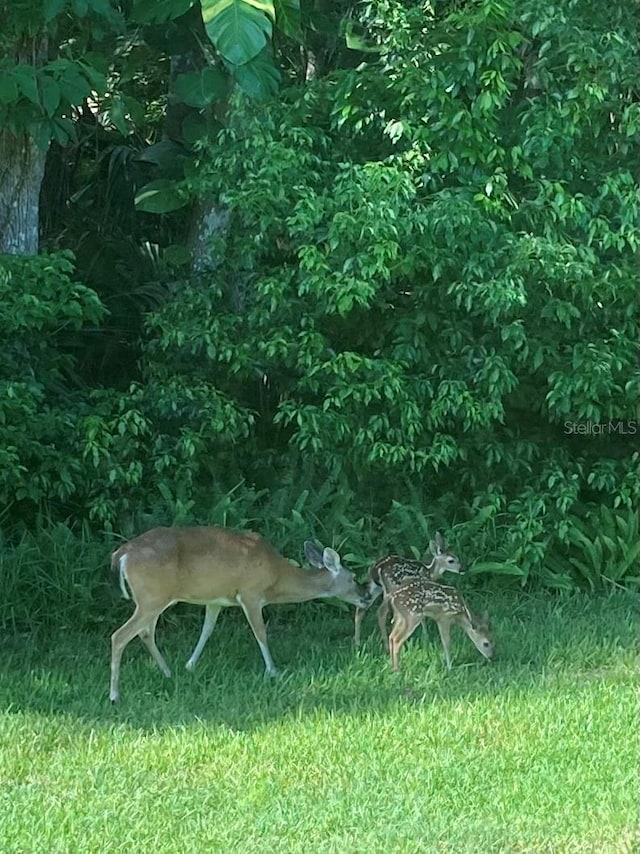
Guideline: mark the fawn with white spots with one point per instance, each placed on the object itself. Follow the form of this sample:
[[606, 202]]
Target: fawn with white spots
[[416, 600], [390, 572]]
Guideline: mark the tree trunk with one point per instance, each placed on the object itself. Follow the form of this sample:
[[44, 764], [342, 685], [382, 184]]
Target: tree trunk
[[21, 174]]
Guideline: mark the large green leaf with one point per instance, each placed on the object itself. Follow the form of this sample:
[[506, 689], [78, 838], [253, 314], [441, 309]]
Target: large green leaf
[[201, 88], [158, 11], [52, 8], [358, 41], [239, 29], [216, 6], [25, 77], [166, 155], [49, 93], [62, 129], [74, 87], [8, 88], [161, 196], [259, 78], [288, 17]]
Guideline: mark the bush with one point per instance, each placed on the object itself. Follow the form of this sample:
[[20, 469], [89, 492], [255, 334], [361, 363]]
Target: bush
[[421, 316]]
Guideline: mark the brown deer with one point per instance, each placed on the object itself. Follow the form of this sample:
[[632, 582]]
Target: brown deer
[[392, 571], [420, 598], [216, 567]]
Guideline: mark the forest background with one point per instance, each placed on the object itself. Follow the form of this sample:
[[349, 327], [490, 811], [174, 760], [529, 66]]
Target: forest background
[[356, 271]]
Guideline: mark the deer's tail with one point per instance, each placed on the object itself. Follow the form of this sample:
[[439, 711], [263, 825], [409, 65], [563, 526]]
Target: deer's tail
[[119, 569]]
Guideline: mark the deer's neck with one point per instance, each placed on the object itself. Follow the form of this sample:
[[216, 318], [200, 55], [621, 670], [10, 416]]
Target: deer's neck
[[429, 567], [298, 585]]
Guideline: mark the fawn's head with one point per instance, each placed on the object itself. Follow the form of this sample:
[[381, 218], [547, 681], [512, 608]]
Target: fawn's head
[[480, 633], [443, 560]]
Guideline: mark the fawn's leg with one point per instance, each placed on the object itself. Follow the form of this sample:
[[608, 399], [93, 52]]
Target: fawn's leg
[[444, 627], [403, 628], [360, 612], [383, 613]]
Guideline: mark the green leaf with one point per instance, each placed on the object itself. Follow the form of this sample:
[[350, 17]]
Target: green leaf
[[26, 80], [95, 69], [265, 6], [259, 78], [237, 28], [8, 89], [356, 41], [630, 559], [74, 88], [50, 94], [62, 130], [116, 111], [162, 196], [52, 8], [162, 154], [201, 88], [159, 11], [214, 7], [195, 127], [288, 18]]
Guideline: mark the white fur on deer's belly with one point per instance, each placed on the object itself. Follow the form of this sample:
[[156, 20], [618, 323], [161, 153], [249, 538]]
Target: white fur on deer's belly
[[223, 600]]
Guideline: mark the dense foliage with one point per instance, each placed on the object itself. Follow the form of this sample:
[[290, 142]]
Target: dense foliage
[[416, 308]]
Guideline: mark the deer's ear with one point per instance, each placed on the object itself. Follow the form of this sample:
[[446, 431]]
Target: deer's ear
[[314, 555], [436, 546], [440, 542], [331, 560]]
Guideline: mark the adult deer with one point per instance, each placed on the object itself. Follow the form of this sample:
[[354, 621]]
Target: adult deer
[[390, 572], [216, 567]]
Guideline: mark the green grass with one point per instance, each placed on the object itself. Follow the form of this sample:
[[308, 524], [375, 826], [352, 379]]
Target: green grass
[[536, 752]]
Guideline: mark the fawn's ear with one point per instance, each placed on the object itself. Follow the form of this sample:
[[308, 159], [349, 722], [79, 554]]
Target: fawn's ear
[[437, 546], [313, 554], [331, 561], [485, 619]]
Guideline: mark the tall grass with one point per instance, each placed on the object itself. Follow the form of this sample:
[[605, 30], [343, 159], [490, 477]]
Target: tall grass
[[58, 573], [53, 576]]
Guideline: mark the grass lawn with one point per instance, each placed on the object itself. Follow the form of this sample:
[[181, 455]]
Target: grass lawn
[[536, 752]]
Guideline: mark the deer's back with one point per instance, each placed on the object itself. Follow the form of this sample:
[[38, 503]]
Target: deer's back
[[430, 598], [392, 571], [199, 563]]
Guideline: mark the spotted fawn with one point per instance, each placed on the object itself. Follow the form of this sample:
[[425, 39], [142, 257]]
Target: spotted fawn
[[390, 572], [414, 600]]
